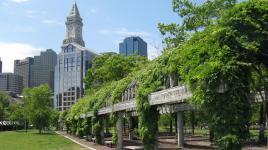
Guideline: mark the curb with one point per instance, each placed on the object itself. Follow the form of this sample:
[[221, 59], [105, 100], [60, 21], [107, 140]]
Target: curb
[[77, 142]]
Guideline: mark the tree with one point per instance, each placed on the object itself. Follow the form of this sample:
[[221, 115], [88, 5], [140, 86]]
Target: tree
[[17, 113], [4, 104], [219, 61], [195, 18], [110, 67], [218, 64], [39, 106], [55, 119]]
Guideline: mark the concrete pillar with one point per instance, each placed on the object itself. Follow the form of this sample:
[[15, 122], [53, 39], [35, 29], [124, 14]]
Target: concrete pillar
[[130, 136], [102, 131], [106, 124], [91, 127], [171, 81], [119, 127], [180, 128]]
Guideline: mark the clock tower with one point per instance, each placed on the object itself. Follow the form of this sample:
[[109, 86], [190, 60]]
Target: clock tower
[[72, 64], [74, 27]]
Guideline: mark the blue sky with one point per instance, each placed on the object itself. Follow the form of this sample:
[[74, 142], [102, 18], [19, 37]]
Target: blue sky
[[29, 26]]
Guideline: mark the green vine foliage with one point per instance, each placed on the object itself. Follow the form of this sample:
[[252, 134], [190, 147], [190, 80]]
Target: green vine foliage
[[229, 142], [102, 95], [86, 126], [73, 126], [80, 128], [150, 80], [113, 119], [97, 127], [217, 63]]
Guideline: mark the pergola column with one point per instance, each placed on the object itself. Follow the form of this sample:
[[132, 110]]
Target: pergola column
[[130, 128], [102, 131], [180, 128], [106, 124], [119, 127]]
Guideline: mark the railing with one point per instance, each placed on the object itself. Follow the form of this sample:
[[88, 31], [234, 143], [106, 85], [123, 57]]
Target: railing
[[176, 95], [169, 96]]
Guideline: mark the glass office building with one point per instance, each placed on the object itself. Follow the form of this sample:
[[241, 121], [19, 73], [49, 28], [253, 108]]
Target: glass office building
[[24, 68], [11, 83], [43, 69], [72, 64], [133, 45], [0, 65]]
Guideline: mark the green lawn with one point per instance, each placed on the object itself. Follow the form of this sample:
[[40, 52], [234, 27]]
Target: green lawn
[[33, 141]]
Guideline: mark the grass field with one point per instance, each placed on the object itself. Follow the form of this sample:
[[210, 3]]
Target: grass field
[[20, 140]]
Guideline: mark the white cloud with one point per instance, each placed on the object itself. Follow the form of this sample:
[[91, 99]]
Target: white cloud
[[20, 1], [125, 32], [53, 22], [11, 51]]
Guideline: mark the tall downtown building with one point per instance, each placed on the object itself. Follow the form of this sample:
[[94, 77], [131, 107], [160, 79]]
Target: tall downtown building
[[11, 83], [43, 69], [24, 68], [72, 64], [38, 70], [133, 45], [0, 65]]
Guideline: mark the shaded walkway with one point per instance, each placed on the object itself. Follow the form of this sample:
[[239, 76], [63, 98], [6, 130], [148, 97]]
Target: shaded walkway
[[165, 143], [84, 143]]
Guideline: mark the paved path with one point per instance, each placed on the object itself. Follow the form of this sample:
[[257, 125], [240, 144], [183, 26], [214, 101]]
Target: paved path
[[166, 143], [83, 142]]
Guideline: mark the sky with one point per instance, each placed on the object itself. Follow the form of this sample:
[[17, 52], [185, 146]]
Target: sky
[[30, 26]]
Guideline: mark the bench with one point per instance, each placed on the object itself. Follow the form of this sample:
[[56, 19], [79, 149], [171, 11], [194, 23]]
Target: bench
[[88, 138], [108, 143], [133, 147], [94, 140]]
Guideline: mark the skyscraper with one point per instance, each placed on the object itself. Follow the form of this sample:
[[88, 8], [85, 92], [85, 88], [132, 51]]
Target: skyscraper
[[38, 70], [11, 83], [72, 64], [133, 45], [0, 65], [24, 68], [43, 69]]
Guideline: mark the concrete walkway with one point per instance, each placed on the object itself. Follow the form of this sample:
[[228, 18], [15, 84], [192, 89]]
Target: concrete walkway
[[165, 143], [83, 142]]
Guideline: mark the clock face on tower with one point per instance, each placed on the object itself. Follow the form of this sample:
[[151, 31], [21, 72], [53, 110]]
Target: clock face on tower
[[79, 32], [73, 30], [70, 31]]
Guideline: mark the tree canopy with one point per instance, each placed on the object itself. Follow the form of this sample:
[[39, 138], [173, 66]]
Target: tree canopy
[[4, 104], [39, 106], [195, 17], [110, 67]]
